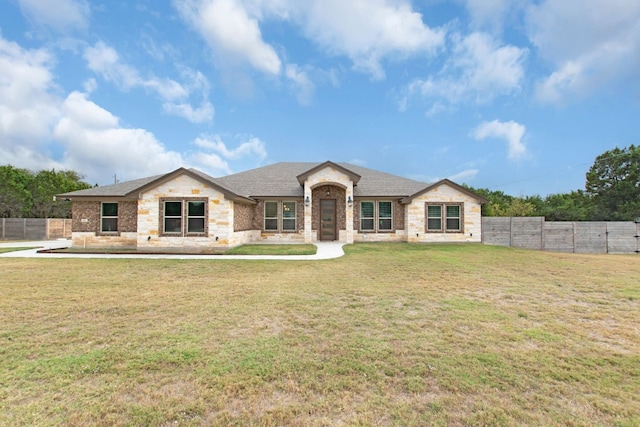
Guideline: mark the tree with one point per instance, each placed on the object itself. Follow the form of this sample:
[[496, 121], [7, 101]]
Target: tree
[[29, 195], [15, 200], [574, 206], [613, 181]]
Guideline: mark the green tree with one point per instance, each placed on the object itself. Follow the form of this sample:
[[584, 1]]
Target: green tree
[[573, 206], [45, 185], [613, 181], [31, 195], [15, 199]]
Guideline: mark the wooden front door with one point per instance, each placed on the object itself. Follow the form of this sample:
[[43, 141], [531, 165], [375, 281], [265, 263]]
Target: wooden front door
[[328, 219]]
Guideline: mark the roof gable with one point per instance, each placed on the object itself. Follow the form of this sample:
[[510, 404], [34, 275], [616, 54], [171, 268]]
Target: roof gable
[[449, 183], [132, 189], [328, 164]]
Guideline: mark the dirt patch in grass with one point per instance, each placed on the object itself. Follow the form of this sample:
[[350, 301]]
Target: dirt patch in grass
[[390, 334]]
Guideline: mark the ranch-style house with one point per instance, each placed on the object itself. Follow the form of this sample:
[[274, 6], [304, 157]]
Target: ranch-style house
[[299, 202]]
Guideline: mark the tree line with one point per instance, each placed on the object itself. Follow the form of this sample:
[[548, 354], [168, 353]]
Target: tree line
[[612, 193], [28, 194]]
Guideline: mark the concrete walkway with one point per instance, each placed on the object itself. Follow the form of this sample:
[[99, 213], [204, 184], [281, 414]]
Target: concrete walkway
[[326, 250]]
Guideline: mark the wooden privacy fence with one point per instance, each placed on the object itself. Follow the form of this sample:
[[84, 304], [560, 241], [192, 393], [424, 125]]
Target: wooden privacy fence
[[34, 228], [562, 236]]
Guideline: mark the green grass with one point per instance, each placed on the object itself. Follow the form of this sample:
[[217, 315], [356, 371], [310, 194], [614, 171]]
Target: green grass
[[5, 250], [390, 334], [273, 249]]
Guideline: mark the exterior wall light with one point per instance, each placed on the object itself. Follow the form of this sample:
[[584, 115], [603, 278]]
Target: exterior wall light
[[306, 201], [350, 201]]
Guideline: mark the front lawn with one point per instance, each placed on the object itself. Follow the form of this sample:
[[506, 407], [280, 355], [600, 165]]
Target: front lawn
[[390, 334]]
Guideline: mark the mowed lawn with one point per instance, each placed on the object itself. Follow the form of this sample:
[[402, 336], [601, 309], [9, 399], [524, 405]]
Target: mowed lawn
[[390, 334]]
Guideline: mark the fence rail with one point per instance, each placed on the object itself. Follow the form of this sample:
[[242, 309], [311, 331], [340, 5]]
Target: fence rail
[[34, 228], [562, 236]]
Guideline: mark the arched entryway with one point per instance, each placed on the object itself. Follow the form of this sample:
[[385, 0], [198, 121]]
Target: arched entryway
[[329, 211]]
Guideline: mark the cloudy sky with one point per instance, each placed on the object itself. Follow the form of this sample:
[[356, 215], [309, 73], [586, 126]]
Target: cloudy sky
[[513, 95]]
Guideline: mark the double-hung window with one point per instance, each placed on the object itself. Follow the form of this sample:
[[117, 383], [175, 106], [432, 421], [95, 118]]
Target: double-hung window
[[280, 216], [289, 216], [184, 217], [376, 216], [109, 218], [271, 216], [444, 217], [367, 216]]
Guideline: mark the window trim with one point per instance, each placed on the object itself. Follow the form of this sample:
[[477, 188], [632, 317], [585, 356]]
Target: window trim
[[376, 217], [294, 218], [279, 217], [102, 217], [443, 217], [372, 218], [265, 217], [184, 217]]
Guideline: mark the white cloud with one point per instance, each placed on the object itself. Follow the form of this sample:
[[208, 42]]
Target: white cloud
[[251, 147], [98, 146], [491, 15], [512, 132], [479, 70], [59, 15], [29, 106], [590, 46], [365, 31], [301, 83], [105, 61], [231, 32], [214, 154], [464, 175]]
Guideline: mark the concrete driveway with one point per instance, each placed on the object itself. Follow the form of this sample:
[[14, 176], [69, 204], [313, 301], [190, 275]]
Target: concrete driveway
[[326, 250]]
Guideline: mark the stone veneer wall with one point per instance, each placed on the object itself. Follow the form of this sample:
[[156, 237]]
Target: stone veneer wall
[[220, 217], [416, 216]]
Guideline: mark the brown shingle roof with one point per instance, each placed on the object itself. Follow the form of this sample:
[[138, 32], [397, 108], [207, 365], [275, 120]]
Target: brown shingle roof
[[276, 180]]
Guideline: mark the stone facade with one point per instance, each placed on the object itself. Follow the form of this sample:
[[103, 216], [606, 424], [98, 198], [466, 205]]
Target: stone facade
[[471, 213], [184, 188], [230, 220], [340, 187]]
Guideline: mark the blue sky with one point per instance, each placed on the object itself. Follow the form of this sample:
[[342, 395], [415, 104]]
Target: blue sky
[[513, 95]]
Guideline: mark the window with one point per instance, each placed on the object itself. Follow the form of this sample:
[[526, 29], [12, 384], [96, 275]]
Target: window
[[434, 218], [184, 217], [453, 217], [271, 216], [195, 217], [109, 222], [366, 216], [384, 216], [447, 215], [376, 216], [173, 217], [289, 216], [280, 216]]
